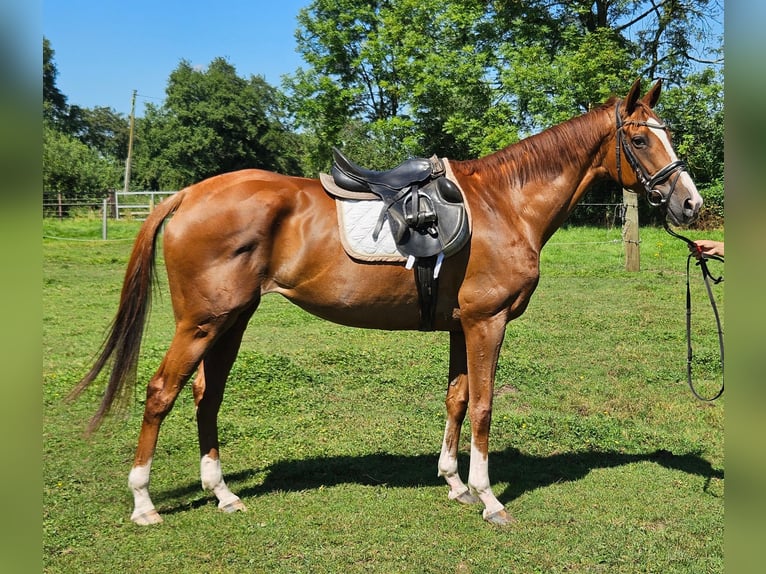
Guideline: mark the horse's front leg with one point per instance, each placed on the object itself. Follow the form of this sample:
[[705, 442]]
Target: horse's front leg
[[457, 405], [483, 341]]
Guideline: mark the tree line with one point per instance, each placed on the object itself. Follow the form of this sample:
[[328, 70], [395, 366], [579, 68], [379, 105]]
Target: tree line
[[390, 79]]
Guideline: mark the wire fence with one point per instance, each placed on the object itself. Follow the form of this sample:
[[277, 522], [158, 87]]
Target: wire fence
[[114, 204]]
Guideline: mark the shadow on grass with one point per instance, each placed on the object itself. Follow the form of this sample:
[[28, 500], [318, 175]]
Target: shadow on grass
[[522, 473]]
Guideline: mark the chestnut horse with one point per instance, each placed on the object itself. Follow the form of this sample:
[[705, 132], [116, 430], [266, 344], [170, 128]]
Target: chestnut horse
[[237, 236]]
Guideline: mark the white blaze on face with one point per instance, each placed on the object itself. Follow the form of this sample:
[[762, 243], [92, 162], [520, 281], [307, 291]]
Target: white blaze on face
[[685, 181]]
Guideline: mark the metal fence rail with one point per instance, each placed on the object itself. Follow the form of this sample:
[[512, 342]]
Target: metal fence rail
[[116, 204], [137, 210]]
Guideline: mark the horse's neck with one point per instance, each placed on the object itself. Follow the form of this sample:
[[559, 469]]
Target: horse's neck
[[541, 178]]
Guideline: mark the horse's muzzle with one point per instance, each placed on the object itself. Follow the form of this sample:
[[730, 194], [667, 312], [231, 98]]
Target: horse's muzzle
[[683, 212]]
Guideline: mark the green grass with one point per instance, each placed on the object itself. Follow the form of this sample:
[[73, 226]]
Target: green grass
[[331, 435]]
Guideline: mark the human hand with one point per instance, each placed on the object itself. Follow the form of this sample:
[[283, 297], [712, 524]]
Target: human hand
[[706, 247]]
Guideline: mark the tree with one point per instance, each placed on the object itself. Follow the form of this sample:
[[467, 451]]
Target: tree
[[211, 122], [75, 170], [81, 147], [469, 76], [695, 114], [101, 128], [561, 58], [54, 102], [395, 66]]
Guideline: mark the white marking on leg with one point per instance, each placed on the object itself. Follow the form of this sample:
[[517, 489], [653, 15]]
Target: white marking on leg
[[138, 482], [212, 479], [478, 480], [448, 467]]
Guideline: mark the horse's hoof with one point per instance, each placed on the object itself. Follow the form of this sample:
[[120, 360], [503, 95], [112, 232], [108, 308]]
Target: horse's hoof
[[147, 518], [234, 506], [499, 518], [467, 497]]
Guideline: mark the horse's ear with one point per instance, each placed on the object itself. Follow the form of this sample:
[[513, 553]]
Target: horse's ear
[[653, 95], [632, 97]]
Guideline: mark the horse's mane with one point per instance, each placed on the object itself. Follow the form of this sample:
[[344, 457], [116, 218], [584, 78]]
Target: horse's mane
[[542, 155]]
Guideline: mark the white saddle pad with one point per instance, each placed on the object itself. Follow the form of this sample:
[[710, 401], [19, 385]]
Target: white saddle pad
[[357, 220]]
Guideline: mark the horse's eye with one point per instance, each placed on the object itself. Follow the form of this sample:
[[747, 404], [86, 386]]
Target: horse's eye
[[638, 141]]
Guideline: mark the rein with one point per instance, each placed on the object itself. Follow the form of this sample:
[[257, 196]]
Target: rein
[[708, 277]]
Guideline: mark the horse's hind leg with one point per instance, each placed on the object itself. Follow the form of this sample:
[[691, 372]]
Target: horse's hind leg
[[457, 404], [191, 341], [208, 394]]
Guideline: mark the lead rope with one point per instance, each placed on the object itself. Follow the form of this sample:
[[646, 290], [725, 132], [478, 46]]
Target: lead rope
[[708, 277]]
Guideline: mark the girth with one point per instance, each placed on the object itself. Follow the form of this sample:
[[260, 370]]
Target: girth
[[425, 212]]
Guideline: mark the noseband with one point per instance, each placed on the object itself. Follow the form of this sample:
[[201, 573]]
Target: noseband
[[653, 196]]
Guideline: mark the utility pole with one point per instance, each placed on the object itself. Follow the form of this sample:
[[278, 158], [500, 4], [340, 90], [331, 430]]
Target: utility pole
[[126, 184]]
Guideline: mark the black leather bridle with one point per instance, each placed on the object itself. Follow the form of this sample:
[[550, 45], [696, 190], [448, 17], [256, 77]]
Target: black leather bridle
[[649, 181]]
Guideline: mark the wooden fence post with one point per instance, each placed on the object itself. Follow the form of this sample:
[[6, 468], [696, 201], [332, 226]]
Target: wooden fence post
[[103, 218], [630, 232]]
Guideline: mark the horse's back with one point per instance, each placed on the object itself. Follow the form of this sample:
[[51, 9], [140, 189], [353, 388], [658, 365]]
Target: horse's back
[[227, 191], [236, 203]]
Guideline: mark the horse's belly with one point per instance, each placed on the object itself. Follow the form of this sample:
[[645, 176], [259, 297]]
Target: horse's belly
[[373, 316], [367, 296]]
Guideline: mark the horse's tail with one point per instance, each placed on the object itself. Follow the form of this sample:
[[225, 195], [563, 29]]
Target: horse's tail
[[123, 342]]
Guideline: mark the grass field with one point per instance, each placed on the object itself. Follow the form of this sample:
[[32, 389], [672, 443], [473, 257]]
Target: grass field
[[331, 435]]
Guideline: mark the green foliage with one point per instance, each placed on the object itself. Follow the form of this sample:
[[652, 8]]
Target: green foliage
[[712, 212], [212, 121], [471, 77], [380, 144], [54, 102], [100, 128], [554, 81], [75, 170], [83, 149], [391, 62], [695, 113], [390, 79]]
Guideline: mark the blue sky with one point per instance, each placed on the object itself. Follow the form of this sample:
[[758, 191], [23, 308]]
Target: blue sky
[[104, 49]]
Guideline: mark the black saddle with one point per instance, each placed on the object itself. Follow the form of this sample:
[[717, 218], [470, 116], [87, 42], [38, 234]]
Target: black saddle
[[352, 177], [425, 210]]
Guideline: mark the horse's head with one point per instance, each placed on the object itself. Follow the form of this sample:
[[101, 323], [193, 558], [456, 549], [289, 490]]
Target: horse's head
[[645, 161]]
